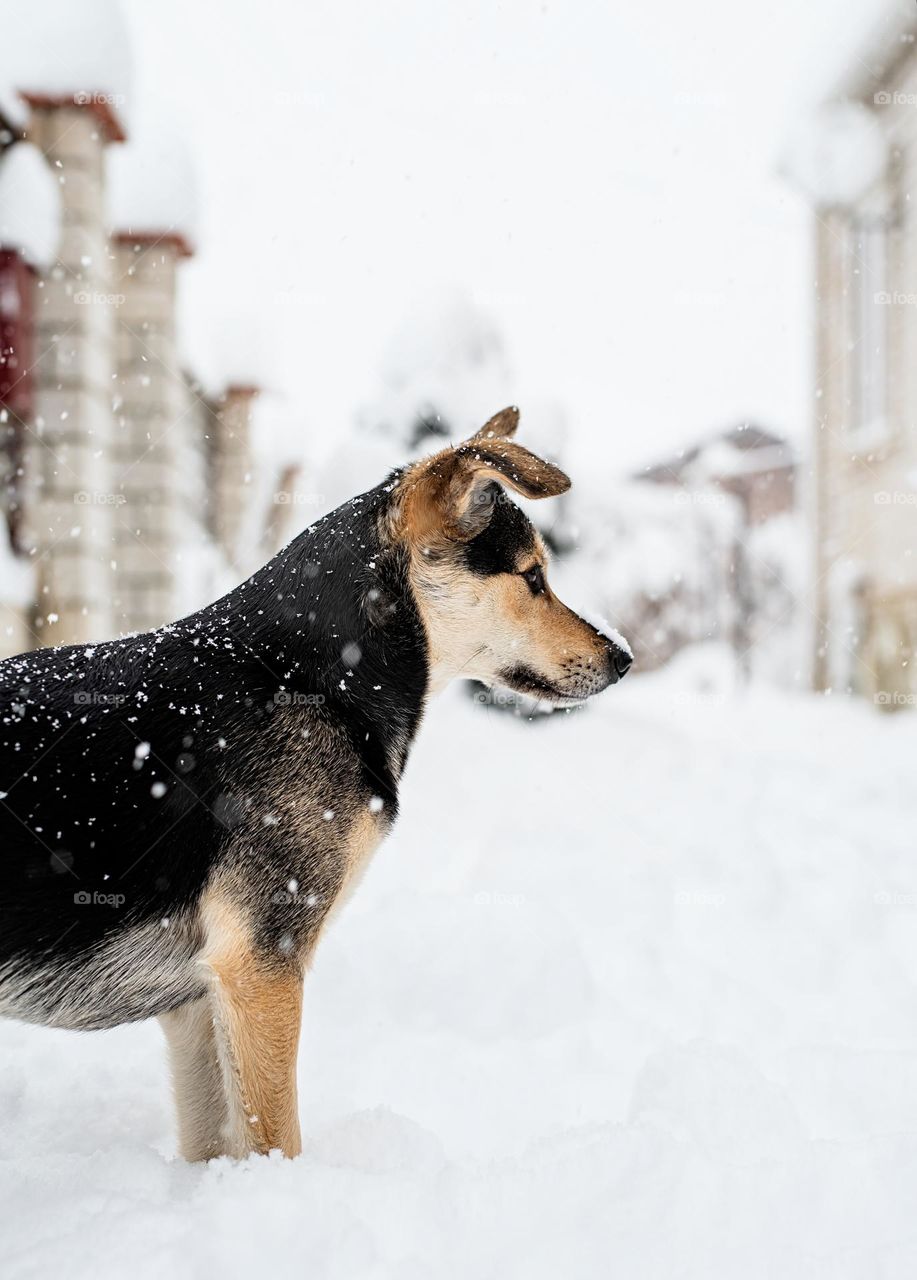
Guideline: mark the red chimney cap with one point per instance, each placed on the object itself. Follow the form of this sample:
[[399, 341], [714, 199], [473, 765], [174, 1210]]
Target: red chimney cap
[[100, 104], [149, 239]]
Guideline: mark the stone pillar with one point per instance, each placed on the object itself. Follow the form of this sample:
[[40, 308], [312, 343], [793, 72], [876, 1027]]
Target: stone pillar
[[70, 490], [282, 513], [159, 464], [231, 475]]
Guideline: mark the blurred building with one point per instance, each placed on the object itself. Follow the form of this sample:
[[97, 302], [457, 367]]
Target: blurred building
[[757, 467], [859, 169], [127, 492], [733, 528]]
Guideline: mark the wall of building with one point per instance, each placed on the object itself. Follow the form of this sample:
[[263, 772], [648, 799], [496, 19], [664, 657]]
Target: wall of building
[[866, 480]]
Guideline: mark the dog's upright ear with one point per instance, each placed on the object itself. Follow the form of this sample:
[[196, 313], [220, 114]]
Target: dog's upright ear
[[501, 426], [451, 495]]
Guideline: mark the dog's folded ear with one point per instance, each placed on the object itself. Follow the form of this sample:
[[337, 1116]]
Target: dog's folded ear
[[452, 494]]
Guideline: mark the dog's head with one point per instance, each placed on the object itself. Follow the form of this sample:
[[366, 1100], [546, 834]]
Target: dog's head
[[478, 569]]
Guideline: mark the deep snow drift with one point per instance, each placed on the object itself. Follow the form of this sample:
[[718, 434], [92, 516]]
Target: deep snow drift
[[631, 991]]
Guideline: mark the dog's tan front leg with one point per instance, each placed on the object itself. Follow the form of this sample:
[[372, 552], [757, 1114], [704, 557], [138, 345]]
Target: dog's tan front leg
[[258, 1008], [197, 1079]]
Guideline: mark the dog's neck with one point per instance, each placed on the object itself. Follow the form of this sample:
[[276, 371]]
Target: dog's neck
[[331, 622]]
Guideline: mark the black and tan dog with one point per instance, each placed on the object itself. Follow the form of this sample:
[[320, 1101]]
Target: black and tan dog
[[180, 811]]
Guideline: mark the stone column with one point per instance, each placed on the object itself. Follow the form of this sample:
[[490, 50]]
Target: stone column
[[69, 494], [159, 463], [830, 420], [231, 463]]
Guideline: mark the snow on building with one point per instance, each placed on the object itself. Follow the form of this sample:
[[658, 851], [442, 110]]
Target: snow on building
[[125, 484], [857, 164]]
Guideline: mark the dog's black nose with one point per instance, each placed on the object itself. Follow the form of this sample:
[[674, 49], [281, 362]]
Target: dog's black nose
[[622, 662]]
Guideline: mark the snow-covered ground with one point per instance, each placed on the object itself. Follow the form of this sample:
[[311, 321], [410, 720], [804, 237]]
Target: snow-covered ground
[[630, 992]]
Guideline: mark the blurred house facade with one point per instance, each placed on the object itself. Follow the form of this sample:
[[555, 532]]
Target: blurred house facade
[[732, 513], [865, 447], [757, 467], [126, 495]]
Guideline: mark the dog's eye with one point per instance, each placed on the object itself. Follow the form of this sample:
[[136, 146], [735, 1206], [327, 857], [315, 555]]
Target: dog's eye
[[535, 578]]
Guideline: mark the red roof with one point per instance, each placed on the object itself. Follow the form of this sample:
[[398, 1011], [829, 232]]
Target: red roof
[[98, 103], [147, 239]]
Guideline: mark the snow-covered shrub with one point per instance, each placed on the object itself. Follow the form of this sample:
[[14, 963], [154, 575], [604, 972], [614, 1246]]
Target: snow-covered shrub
[[444, 373]]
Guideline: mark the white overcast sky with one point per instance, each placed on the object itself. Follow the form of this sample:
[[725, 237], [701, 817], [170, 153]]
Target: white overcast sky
[[602, 177]]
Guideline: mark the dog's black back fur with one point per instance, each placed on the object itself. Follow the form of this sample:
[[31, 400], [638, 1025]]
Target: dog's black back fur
[[126, 768]]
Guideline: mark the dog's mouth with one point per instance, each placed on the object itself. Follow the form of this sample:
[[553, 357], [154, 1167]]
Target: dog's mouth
[[522, 679]]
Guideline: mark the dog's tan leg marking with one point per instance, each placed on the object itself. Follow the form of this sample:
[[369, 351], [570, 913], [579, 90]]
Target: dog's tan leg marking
[[258, 1014], [258, 1005], [197, 1079]]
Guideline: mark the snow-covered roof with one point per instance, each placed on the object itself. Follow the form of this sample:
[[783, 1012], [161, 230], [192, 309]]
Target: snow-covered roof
[[29, 205], [66, 52], [737, 450], [152, 186], [12, 107], [723, 459]]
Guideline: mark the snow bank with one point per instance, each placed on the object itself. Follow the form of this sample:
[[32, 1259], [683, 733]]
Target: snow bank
[[659, 1022], [30, 207]]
